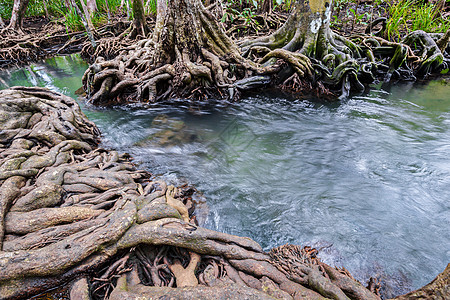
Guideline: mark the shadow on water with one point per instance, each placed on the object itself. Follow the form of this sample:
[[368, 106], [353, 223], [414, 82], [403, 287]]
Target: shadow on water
[[364, 180]]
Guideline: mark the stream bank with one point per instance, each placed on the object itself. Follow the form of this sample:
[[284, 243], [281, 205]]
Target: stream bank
[[391, 142], [73, 212]]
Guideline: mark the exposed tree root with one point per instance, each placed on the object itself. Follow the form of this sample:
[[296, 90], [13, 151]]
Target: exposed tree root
[[50, 40], [195, 58], [85, 210], [121, 37], [260, 24], [438, 289], [349, 65], [191, 52]]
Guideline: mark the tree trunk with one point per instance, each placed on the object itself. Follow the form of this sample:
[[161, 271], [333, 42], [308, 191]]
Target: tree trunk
[[307, 32], [187, 51], [18, 12], [127, 4], [307, 29], [45, 8], [87, 23], [87, 15], [139, 22], [183, 30], [266, 6], [91, 6]]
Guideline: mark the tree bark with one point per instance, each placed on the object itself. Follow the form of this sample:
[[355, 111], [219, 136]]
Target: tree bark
[[45, 8], [127, 4], [92, 6], [87, 15], [307, 32], [18, 12], [87, 23], [188, 50], [139, 21], [307, 29], [266, 6]]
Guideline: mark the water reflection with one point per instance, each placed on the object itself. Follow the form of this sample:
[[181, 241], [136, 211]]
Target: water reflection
[[60, 74], [366, 181]]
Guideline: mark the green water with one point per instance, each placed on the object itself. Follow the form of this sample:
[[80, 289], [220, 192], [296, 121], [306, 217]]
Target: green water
[[62, 74], [367, 180]]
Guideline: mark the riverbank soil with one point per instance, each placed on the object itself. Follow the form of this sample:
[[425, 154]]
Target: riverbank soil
[[73, 212]]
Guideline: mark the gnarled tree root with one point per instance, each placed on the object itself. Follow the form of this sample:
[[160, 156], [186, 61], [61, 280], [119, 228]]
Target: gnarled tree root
[[121, 231], [86, 209]]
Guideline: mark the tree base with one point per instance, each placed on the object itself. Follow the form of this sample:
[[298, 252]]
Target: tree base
[[194, 58]]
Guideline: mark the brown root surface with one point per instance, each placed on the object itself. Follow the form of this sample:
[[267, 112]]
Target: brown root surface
[[188, 55], [191, 56], [71, 211], [438, 289]]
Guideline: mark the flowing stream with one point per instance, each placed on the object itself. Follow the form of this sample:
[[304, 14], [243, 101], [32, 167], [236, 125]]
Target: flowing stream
[[366, 180]]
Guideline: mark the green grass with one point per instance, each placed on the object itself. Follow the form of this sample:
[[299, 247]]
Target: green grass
[[426, 18], [151, 8], [73, 21], [408, 15]]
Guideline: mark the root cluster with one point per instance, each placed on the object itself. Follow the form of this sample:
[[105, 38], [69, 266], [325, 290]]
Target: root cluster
[[52, 39], [188, 55], [195, 58], [71, 211]]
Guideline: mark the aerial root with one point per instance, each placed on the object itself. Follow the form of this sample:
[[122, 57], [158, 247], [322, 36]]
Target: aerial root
[[301, 63], [431, 57]]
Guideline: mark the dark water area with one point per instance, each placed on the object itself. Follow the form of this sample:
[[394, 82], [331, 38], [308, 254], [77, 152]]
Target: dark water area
[[366, 180]]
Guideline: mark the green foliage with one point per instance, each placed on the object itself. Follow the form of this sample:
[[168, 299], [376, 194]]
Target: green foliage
[[58, 9], [35, 8], [426, 18], [6, 8], [408, 15], [356, 12], [72, 20], [231, 14], [150, 7], [398, 17], [114, 6]]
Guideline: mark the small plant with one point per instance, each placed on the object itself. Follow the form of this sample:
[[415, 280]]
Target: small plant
[[359, 18], [426, 17], [150, 7], [407, 15], [73, 21]]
